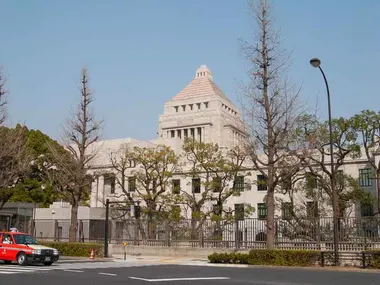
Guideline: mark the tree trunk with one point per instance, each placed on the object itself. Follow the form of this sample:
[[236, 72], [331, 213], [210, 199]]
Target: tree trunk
[[151, 225], [194, 234], [73, 223], [378, 190], [271, 229]]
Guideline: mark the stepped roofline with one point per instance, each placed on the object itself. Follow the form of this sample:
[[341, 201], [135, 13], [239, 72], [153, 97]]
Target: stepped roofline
[[202, 85]]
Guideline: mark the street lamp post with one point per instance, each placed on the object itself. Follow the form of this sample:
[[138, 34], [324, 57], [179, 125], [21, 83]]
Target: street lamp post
[[315, 62]]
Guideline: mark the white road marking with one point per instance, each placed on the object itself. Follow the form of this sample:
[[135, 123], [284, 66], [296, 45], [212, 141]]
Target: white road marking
[[75, 267], [108, 274], [179, 279]]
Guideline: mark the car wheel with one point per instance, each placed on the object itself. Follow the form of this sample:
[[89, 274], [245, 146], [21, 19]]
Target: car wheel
[[21, 259], [7, 262], [48, 263]]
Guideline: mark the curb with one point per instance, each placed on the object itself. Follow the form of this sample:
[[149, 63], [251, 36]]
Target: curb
[[337, 269]]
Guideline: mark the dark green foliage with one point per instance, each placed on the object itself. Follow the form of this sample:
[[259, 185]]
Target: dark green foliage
[[299, 258], [34, 187], [76, 248], [374, 261]]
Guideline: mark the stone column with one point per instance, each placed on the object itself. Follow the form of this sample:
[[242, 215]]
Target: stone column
[[101, 201], [94, 193]]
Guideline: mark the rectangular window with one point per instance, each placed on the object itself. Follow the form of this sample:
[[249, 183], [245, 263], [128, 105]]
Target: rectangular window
[[239, 183], [262, 210], [287, 210], [172, 134], [132, 163], [365, 177], [312, 209], [176, 186], [132, 184], [217, 184], [239, 211], [109, 184], [196, 185], [261, 183]]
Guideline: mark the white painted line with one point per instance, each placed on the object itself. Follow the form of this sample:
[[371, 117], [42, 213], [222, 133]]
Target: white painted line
[[108, 274], [7, 272], [180, 279], [72, 270], [16, 269], [137, 278]]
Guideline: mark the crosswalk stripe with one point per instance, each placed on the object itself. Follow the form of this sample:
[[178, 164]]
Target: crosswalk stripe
[[16, 269], [67, 267], [7, 272]]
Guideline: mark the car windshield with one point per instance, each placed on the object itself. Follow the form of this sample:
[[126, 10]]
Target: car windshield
[[24, 239]]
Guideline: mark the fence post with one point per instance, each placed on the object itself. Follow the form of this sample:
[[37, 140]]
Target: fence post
[[246, 236], [201, 236], [167, 232], [106, 229], [81, 232], [322, 258], [32, 227], [237, 234], [363, 259], [55, 230]]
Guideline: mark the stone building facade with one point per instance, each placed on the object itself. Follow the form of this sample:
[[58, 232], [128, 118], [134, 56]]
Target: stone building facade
[[202, 111]]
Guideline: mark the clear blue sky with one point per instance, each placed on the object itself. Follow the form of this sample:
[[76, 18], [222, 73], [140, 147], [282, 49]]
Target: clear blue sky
[[140, 53]]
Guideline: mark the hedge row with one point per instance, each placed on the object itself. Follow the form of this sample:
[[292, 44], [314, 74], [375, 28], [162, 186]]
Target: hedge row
[[300, 258], [76, 248], [374, 259]]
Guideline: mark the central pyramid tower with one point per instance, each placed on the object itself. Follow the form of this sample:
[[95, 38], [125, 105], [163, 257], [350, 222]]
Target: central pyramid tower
[[200, 110]]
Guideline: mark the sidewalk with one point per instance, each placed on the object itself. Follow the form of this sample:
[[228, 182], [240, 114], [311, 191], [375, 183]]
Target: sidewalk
[[160, 259], [204, 262], [76, 259]]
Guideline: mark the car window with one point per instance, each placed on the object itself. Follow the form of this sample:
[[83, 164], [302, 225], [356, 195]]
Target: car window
[[7, 239], [24, 239]]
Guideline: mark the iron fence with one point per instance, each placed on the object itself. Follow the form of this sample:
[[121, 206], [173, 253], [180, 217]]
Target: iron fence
[[355, 234]]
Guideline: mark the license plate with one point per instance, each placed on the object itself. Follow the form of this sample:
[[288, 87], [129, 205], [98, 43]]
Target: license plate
[[47, 258]]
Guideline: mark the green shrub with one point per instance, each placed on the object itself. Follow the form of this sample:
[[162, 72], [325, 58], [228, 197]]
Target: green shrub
[[235, 258], [374, 258], [76, 248], [275, 257], [283, 257]]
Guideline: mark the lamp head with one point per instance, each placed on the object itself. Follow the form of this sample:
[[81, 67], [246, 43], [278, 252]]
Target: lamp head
[[315, 62]]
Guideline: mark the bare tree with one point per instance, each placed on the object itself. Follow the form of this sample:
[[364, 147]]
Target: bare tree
[[14, 158], [14, 161], [3, 101], [69, 172], [270, 108]]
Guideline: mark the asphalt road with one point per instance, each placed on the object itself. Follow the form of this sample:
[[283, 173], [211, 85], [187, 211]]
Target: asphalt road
[[179, 274]]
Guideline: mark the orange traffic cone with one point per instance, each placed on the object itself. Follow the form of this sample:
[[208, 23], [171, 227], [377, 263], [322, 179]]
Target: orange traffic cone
[[92, 254]]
